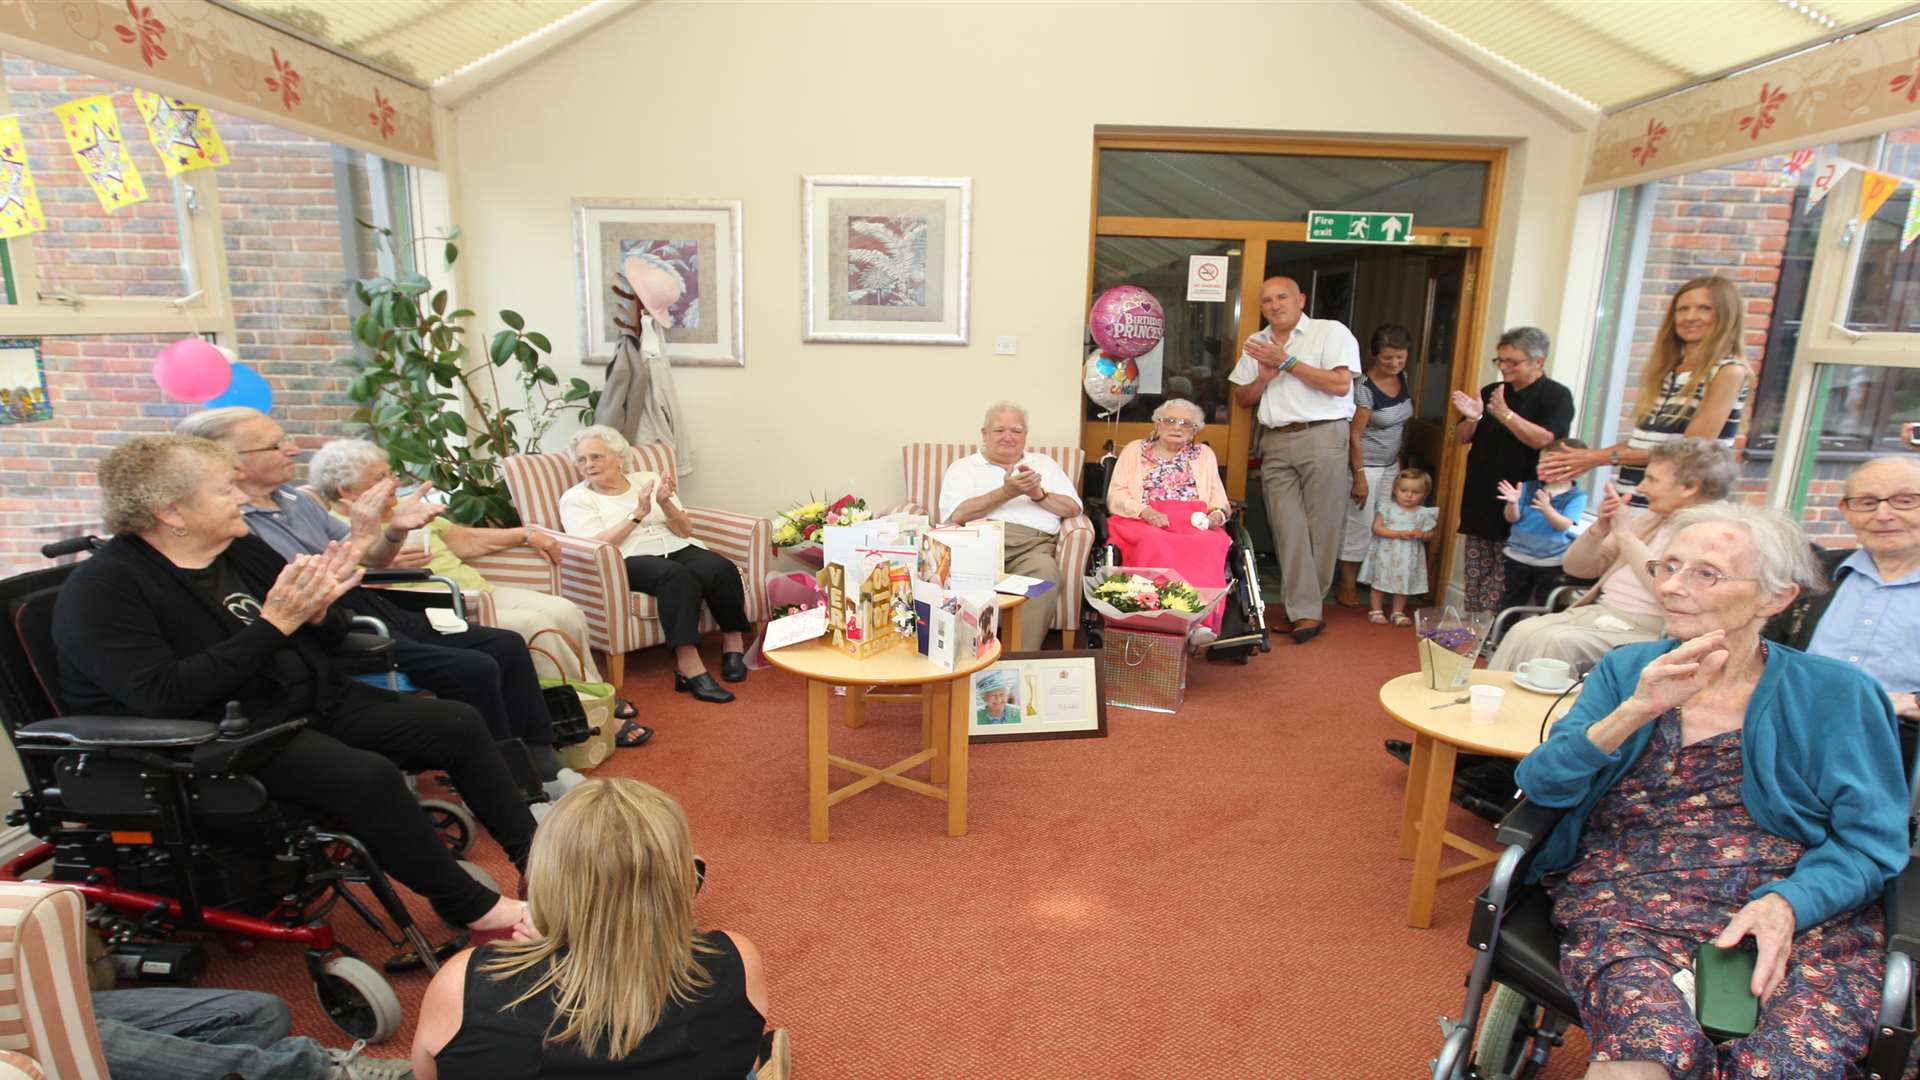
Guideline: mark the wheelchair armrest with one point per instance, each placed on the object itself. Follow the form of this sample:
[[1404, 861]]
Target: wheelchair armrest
[[1528, 824], [394, 577], [1903, 911], [240, 753], [115, 733], [367, 624], [356, 646]]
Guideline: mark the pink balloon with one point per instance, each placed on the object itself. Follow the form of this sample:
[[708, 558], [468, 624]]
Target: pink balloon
[[192, 370], [1127, 322]]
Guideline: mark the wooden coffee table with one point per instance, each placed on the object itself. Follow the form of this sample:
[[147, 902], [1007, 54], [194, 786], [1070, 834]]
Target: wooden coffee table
[[943, 734], [858, 696], [1439, 735]]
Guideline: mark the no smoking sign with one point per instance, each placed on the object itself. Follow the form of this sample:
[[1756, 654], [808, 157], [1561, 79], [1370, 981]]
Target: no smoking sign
[[1207, 278]]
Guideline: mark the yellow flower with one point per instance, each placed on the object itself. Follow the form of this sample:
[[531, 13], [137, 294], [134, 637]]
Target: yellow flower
[[1176, 602], [812, 509]]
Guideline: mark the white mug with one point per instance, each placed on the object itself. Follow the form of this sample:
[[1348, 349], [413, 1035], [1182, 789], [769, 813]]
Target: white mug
[[1485, 703], [1547, 674]]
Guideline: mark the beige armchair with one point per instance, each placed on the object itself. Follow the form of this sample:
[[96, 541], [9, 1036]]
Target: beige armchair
[[592, 573], [51, 1032], [926, 464]]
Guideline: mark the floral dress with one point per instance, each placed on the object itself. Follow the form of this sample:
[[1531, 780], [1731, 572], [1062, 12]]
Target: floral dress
[[1666, 859], [1399, 566], [1169, 481]]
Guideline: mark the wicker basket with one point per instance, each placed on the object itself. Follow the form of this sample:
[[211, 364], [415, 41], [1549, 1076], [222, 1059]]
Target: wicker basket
[[1144, 670]]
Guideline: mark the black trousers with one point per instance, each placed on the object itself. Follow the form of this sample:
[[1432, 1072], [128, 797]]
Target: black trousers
[[347, 766], [485, 667], [681, 582], [1528, 585]]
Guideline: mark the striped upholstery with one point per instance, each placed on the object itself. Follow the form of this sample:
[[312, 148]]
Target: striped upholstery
[[926, 464], [46, 1010], [592, 573]]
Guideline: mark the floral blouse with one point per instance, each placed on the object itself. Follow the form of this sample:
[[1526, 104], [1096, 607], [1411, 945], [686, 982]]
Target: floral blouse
[[1169, 481]]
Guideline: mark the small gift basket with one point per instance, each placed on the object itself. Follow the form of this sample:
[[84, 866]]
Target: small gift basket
[[1449, 642]]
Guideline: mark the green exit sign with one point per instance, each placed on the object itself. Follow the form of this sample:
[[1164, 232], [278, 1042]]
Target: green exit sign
[[1359, 227]]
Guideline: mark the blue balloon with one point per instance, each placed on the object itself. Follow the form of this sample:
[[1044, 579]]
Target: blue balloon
[[248, 388]]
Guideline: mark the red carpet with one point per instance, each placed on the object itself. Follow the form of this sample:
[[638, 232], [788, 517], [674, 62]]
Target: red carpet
[[1210, 894]]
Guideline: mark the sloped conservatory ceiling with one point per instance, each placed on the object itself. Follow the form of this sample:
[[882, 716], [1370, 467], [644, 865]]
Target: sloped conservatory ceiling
[[419, 40]]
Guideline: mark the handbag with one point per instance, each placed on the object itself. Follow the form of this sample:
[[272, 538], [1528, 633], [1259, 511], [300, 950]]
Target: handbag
[[581, 711]]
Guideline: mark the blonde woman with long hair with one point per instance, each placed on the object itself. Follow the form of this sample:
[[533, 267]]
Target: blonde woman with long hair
[[1695, 387], [618, 981]]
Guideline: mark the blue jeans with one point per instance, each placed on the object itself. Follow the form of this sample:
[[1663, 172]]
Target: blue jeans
[[168, 1033]]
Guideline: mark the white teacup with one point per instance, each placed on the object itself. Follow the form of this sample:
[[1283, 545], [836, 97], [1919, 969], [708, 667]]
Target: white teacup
[[1547, 674]]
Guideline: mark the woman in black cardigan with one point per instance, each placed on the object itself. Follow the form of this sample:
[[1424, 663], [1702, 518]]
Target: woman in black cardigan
[[183, 611]]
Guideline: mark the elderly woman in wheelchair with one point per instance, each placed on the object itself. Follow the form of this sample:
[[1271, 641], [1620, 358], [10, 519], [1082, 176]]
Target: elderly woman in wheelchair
[[183, 612], [1166, 505], [1717, 789]]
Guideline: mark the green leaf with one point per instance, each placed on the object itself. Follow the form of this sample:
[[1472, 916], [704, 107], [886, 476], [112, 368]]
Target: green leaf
[[412, 284], [360, 416], [365, 332], [358, 388], [404, 313], [391, 413], [455, 423], [502, 348], [540, 341], [525, 353], [440, 302], [462, 313], [453, 252], [546, 375], [513, 319], [446, 373], [410, 449], [500, 510], [453, 233], [363, 222]]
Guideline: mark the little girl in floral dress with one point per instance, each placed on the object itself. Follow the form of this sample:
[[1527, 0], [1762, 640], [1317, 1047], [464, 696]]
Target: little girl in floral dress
[[1397, 562]]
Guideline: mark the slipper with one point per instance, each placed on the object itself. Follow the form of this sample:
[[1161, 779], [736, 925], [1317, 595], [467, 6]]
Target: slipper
[[1400, 619], [1377, 617], [624, 710], [632, 734]]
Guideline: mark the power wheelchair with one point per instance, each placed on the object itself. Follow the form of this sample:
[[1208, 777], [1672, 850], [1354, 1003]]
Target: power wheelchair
[[159, 825], [1518, 961]]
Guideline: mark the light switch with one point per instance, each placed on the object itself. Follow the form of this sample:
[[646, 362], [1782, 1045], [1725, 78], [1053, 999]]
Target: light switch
[[1004, 346]]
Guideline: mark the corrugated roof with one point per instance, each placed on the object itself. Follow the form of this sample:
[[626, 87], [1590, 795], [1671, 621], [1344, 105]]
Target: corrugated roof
[[421, 40], [1613, 52]]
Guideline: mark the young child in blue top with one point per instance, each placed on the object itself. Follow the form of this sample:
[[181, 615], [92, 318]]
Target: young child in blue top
[[1545, 518]]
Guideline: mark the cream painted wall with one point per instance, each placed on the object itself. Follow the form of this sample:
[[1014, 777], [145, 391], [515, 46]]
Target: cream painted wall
[[739, 100]]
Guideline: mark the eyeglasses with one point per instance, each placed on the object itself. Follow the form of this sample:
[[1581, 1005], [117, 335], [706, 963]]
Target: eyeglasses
[[1867, 504], [1503, 361], [286, 443], [1691, 577], [1166, 422]]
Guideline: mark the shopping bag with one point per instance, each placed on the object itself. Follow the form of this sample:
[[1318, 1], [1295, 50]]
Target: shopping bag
[[581, 711]]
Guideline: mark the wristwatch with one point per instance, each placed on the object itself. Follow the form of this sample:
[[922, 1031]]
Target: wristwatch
[[1613, 456], [635, 520]]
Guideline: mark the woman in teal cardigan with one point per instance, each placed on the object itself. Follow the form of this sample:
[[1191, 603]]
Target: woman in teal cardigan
[[1719, 787]]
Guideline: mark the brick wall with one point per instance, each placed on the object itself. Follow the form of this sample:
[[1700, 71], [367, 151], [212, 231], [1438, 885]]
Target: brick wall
[[287, 272]]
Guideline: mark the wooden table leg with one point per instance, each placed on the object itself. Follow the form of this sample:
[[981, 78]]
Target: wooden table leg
[[1010, 629], [938, 696], [1416, 793], [1433, 832], [817, 695], [856, 706], [957, 732]]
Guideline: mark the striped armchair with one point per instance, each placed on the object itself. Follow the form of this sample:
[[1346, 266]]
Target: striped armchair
[[592, 573], [926, 464], [47, 1028]]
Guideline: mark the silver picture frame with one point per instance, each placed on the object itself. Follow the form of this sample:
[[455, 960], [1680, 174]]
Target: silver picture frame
[[700, 240], [886, 259]]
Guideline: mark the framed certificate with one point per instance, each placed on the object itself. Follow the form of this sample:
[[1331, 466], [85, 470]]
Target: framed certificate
[[1038, 695]]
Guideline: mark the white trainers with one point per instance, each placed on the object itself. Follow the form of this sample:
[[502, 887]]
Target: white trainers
[[349, 1065]]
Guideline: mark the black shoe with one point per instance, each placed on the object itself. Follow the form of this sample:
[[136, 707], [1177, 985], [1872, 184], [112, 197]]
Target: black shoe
[[1306, 630], [1401, 749], [733, 666], [631, 734], [701, 686]]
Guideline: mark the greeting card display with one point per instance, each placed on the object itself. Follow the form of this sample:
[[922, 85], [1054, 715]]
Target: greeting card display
[[861, 612], [963, 558]]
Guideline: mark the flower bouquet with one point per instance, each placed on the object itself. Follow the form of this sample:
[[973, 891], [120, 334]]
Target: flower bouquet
[[1142, 598], [1449, 643], [797, 530]]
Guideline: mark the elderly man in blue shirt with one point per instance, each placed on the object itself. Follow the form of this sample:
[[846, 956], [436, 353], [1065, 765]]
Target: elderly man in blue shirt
[[1872, 619]]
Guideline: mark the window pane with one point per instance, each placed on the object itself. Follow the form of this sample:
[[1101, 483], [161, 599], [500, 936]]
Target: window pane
[[1859, 412], [1283, 187], [1886, 284], [1197, 353], [136, 251]]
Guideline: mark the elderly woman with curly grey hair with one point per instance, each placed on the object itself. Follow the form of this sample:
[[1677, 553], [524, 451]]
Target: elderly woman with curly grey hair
[[1166, 506], [638, 513]]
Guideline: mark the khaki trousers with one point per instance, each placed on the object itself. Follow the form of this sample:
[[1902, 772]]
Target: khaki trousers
[[527, 612], [1305, 479], [1572, 635], [1033, 553]]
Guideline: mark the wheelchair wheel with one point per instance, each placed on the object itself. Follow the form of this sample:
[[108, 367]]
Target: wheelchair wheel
[[453, 822], [359, 1000], [479, 874], [1502, 1049]]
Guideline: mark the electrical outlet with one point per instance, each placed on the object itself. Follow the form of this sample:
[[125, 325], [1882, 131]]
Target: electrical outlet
[[1004, 346]]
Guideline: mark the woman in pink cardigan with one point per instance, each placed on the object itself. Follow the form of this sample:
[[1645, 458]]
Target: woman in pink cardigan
[[1166, 506]]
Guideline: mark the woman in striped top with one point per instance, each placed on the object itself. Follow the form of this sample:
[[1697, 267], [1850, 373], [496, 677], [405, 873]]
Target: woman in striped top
[[1695, 387]]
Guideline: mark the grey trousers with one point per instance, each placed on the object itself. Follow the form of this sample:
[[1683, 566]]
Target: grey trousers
[[1305, 479]]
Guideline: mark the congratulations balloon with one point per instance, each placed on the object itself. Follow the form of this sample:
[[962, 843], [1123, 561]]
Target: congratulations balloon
[[1127, 322], [192, 370], [1111, 383]]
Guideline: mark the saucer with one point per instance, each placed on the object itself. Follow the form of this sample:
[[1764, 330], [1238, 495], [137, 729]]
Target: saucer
[[1527, 685]]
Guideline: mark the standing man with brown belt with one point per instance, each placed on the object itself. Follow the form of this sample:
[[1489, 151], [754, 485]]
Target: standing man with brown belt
[[1299, 373]]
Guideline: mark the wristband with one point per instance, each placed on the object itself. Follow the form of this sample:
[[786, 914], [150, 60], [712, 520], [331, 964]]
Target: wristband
[[1289, 363]]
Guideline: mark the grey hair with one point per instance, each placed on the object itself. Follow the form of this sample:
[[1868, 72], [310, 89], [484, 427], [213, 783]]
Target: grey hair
[[1004, 406], [1910, 461], [1699, 463], [1528, 339], [1194, 412], [342, 462], [1783, 554], [215, 424], [148, 472], [615, 441]]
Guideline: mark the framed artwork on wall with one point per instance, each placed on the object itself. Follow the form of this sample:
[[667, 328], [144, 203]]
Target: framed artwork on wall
[[23, 382], [1038, 695], [886, 259], [696, 243]]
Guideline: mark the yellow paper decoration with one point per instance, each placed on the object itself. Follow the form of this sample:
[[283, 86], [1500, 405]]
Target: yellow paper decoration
[[93, 133], [181, 132], [20, 211], [1875, 189]]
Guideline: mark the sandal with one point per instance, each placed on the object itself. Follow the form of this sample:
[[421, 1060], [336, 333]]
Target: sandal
[[1400, 619], [624, 710], [632, 733], [1377, 617]]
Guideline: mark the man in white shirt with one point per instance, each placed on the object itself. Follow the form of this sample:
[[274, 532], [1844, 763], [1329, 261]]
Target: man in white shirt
[[1030, 493], [1298, 373]]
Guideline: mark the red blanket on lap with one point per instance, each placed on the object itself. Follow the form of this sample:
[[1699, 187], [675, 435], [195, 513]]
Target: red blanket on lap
[[1197, 555]]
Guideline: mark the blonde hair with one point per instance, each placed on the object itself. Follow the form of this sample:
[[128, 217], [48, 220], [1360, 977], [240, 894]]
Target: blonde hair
[[1668, 353], [610, 884], [148, 472], [1418, 476]]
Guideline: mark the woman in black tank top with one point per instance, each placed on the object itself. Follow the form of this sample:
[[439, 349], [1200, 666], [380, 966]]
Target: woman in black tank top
[[618, 983]]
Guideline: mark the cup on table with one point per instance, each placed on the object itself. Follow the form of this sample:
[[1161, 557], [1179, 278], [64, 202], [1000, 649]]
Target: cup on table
[[1485, 703], [1547, 674]]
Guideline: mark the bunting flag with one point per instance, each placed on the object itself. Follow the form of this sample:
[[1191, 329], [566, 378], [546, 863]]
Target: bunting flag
[[1910, 229], [1826, 172], [20, 212], [181, 132], [93, 133], [1875, 189], [1797, 163]]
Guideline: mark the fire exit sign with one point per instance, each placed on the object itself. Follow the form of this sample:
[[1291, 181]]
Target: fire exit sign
[[1359, 227]]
